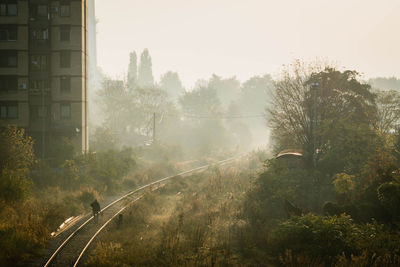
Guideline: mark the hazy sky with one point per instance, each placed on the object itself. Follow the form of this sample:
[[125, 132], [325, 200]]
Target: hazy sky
[[248, 37]]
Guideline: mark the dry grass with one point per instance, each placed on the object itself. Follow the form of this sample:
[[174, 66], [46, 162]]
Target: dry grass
[[192, 221]]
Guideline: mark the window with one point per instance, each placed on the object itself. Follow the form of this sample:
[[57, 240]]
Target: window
[[39, 62], [8, 110], [40, 34], [64, 10], [8, 32], [8, 83], [9, 9], [8, 58], [65, 111], [38, 112], [65, 33], [42, 11], [65, 84], [39, 85], [65, 59]]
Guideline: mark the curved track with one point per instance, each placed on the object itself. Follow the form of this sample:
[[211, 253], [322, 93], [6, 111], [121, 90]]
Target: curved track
[[71, 250]]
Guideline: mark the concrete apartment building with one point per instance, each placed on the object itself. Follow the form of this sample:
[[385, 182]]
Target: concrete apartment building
[[43, 70]]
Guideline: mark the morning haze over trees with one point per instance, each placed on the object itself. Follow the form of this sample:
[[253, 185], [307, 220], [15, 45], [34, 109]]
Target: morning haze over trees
[[315, 180]]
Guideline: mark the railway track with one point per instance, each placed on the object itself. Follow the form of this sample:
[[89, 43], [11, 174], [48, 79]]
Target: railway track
[[75, 244]]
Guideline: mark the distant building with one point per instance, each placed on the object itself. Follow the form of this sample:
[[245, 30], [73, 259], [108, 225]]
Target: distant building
[[43, 69]]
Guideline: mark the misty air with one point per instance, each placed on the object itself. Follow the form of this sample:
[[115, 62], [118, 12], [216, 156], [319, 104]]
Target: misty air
[[199, 133]]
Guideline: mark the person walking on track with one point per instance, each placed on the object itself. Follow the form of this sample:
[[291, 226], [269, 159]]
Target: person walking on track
[[96, 210]]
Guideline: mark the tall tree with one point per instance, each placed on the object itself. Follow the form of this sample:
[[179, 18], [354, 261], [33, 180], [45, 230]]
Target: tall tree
[[388, 110], [203, 126], [16, 158], [256, 94], [114, 103], [132, 71], [171, 83], [144, 103], [227, 89], [346, 116], [201, 102], [145, 73]]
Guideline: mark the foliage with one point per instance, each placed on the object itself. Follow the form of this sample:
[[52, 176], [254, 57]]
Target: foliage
[[389, 196], [60, 149], [16, 158], [396, 147], [146, 102], [132, 71], [171, 83], [227, 89], [104, 139], [189, 222], [87, 194], [107, 168], [107, 254], [343, 183], [114, 104], [326, 239], [265, 202], [388, 110], [145, 72], [305, 234], [380, 168], [129, 113], [14, 186], [16, 149], [346, 114], [255, 93], [289, 117], [202, 101], [204, 130], [21, 231]]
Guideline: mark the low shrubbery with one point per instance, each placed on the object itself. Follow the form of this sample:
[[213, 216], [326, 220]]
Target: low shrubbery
[[192, 221], [331, 240]]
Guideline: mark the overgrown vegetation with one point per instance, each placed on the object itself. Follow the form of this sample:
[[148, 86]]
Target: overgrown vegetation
[[36, 196], [340, 207], [193, 221]]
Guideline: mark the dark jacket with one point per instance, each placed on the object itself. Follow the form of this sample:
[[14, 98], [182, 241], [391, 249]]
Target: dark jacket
[[95, 206]]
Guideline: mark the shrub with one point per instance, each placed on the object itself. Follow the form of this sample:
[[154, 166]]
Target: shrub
[[315, 236], [327, 239], [107, 254], [13, 186], [389, 196], [343, 183], [86, 195], [109, 167]]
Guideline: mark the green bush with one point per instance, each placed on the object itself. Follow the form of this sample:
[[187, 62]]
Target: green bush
[[315, 236], [108, 168], [22, 231], [389, 196], [14, 186], [325, 239]]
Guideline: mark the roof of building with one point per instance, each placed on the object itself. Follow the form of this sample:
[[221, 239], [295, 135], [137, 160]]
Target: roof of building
[[290, 152]]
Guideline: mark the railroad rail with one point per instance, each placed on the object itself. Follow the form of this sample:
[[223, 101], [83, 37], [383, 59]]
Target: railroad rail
[[112, 210]]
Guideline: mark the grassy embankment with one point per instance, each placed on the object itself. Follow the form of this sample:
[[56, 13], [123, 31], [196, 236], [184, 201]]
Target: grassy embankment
[[194, 220]]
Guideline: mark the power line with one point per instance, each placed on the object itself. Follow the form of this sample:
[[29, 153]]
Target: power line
[[218, 117]]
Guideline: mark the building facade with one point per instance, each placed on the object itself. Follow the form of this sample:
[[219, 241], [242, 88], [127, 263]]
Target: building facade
[[43, 70]]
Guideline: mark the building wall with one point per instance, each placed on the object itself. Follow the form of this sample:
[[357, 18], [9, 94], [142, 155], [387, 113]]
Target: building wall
[[50, 99]]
